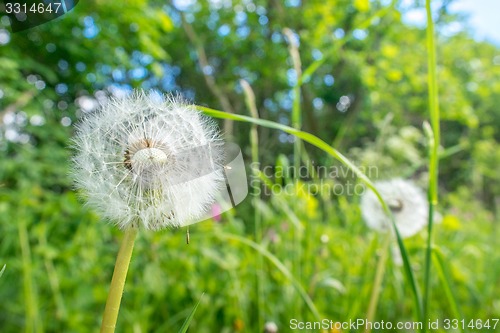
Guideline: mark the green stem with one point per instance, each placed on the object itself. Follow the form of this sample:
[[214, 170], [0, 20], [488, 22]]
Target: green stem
[[32, 321], [280, 266], [296, 111], [118, 282], [428, 258], [433, 106], [434, 151], [53, 279], [377, 283], [254, 143], [297, 124], [446, 284]]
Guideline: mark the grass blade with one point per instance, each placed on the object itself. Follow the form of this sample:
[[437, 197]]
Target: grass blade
[[433, 106], [188, 320], [438, 260], [434, 140], [254, 144], [279, 265]]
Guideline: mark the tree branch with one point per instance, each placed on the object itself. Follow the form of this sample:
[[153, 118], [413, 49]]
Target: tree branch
[[209, 79]]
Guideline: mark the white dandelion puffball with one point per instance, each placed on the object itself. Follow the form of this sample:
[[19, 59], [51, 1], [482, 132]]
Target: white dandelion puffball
[[148, 160], [270, 327], [407, 202]]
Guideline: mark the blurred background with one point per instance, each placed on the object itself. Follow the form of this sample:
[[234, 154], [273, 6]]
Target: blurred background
[[366, 95]]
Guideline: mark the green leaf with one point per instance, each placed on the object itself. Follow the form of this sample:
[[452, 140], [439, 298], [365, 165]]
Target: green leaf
[[185, 326], [439, 263], [362, 5]]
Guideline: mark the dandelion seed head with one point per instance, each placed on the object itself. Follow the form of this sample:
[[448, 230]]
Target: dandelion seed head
[[270, 327], [406, 201], [148, 161]]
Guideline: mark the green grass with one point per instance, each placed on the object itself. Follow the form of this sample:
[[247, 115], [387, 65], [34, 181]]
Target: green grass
[[167, 277], [315, 141], [251, 267], [188, 320], [434, 143]]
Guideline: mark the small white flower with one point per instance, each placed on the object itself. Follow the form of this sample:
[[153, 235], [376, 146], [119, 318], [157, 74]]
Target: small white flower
[[407, 202], [148, 160]]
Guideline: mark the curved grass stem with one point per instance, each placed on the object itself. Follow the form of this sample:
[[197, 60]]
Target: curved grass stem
[[280, 266], [321, 144]]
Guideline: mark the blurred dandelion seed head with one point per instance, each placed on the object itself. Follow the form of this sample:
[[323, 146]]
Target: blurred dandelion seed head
[[270, 327], [148, 160], [406, 201]]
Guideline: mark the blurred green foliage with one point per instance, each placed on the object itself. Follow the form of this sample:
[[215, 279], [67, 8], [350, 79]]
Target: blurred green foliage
[[369, 98]]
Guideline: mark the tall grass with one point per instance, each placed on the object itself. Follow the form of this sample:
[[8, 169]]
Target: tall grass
[[434, 257], [315, 141], [33, 323], [434, 141], [293, 48], [420, 306], [254, 144]]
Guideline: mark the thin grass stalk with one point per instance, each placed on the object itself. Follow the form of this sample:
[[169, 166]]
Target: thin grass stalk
[[32, 323], [256, 184], [358, 300], [307, 73], [446, 284], [280, 266], [377, 283], [319, 143], [434, 140], [61, 312], [118, 281], [293, 48]]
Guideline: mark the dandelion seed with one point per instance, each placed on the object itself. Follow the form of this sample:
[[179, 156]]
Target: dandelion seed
[[148, 160], [406, 201]]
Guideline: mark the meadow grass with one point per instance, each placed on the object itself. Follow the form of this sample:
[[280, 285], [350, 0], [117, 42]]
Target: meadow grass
[[311, 257], [434, 144]]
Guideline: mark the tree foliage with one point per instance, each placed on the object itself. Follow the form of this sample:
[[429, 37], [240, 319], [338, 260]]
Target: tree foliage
[[368, 97]]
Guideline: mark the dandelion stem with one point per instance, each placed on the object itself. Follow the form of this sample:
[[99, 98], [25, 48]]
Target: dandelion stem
[[377, 284], [118, 282]]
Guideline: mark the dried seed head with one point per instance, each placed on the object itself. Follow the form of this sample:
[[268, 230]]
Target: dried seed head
[[406, 201], [148, 160]]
